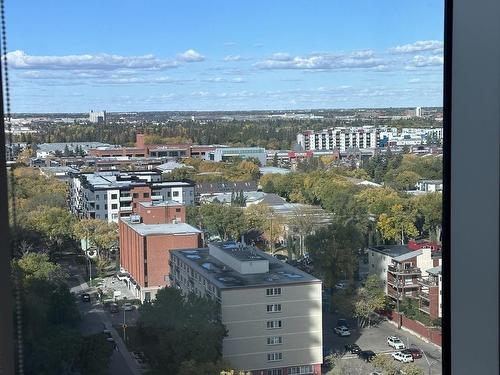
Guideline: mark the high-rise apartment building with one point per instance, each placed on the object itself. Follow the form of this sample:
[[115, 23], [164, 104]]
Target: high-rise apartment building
[[340, 138], [272, 311], [97, 117]]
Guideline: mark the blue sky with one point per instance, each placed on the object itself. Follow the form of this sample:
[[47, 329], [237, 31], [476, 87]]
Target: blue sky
[[73, 56]]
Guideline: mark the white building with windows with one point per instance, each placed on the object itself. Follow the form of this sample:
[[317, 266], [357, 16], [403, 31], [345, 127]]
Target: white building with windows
[[272, 311], [340, 138], [112, 194]]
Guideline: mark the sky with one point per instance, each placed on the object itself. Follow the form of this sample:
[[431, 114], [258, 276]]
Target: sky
[[175, 55]]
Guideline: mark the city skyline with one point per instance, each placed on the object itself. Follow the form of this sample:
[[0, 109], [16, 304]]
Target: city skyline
[[224, 57]]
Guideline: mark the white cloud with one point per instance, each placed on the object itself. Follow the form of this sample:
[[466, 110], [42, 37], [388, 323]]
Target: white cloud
[[230, 44], [419, 46], [424, 61], [190, 56], [232, 58], [103, 61], [321, 61]]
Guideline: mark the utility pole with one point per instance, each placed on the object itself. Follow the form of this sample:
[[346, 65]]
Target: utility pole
[[398, 296], [124, 327]]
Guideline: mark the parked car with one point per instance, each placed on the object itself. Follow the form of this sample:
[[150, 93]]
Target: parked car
[[341, 285], [281, 257], [415, 353], [395, 342], [107, 333], [113, 308], [343, 322], [85, 297], [128, 306], [352, 348], [367, 355], [342, 331], [402, 357]]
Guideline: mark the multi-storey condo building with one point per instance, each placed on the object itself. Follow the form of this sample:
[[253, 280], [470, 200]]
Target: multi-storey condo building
[[97, 117], [340, 138], [430, 294], [272, 311], [146, 239], [113, 194]]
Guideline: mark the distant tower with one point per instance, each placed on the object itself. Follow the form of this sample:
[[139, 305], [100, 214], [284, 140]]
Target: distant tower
[[97, 117], [418, 112]]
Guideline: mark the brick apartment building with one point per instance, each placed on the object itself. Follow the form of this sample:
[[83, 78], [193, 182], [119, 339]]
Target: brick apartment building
[[407, 272], [146, 240], [272, 311]]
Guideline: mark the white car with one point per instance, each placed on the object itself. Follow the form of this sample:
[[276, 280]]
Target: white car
[[128, 306], [402, 357], [342, 331], [395, 342], [341, 285]]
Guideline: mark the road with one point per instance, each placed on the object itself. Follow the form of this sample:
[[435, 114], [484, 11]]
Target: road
[[95, 319]]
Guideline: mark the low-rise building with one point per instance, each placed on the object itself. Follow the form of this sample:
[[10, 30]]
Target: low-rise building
[[228, 153], [146, 240], [430, 186], [430, 294], [272, 311]]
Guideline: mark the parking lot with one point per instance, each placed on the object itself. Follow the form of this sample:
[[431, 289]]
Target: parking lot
[[111, 283], [375, 338]]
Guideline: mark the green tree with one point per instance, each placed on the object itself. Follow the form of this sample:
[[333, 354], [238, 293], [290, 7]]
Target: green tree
[[370, 298], [95, 355], [176, 329], [225, 221], [333, 252], [386, 364], [99, 233], [429, 208]]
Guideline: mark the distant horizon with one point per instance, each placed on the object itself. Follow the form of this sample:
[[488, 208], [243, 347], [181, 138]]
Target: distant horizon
[[229, 111]]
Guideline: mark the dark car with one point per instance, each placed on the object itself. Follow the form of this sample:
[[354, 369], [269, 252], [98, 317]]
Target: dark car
[[85, 297], [367, 355], [415, 353], [352, 348], [343, 322], [114, 308]]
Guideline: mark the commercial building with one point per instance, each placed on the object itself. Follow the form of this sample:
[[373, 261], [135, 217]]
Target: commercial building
[[44, 150], [97, 117], [228, 153], [340, 138], [272, 311], [112, 194], [146, 240]]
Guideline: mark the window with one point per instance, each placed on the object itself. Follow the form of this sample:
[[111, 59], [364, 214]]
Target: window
[[274, 340], [177, 210], [114, 216], [275, 371], [97, 207], [114, 196], [276, 307], [274, 357], [147, 296], [106, 206], [136, 195], [273, 291], [97, 197], [145, 195], [114, 206], [274, 324], [175, 193], [307, 369]]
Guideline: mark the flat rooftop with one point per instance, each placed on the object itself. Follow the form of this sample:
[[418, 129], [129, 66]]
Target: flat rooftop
[[392, 250], [153, 229], [169, 203], [225, 277]]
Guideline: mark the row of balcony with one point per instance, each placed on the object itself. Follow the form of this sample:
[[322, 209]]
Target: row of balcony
[[399, 270]]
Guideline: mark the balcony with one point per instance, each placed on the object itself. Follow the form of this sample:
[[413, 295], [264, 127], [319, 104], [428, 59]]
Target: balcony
[[126, 209], [428, 282], [403, 285], [425, 309], [398, 270], [157, 197], [126, 199], [424, 295]]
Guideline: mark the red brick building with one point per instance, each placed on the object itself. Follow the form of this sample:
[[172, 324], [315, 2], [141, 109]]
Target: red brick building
[[146, 239]]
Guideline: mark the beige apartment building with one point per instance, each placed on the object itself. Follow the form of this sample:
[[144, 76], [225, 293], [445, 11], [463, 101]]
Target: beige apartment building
[[272, 311]]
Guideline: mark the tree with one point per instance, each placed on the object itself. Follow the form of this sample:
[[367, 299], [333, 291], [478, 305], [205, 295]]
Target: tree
[[178, 329], [225, 221], [398, 224], [402, 180], [94, 356], [371, 298], [302, 222], [333, 252], [386, 364], [429, 208], [54, 224], [99, 233], [275, 162]]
